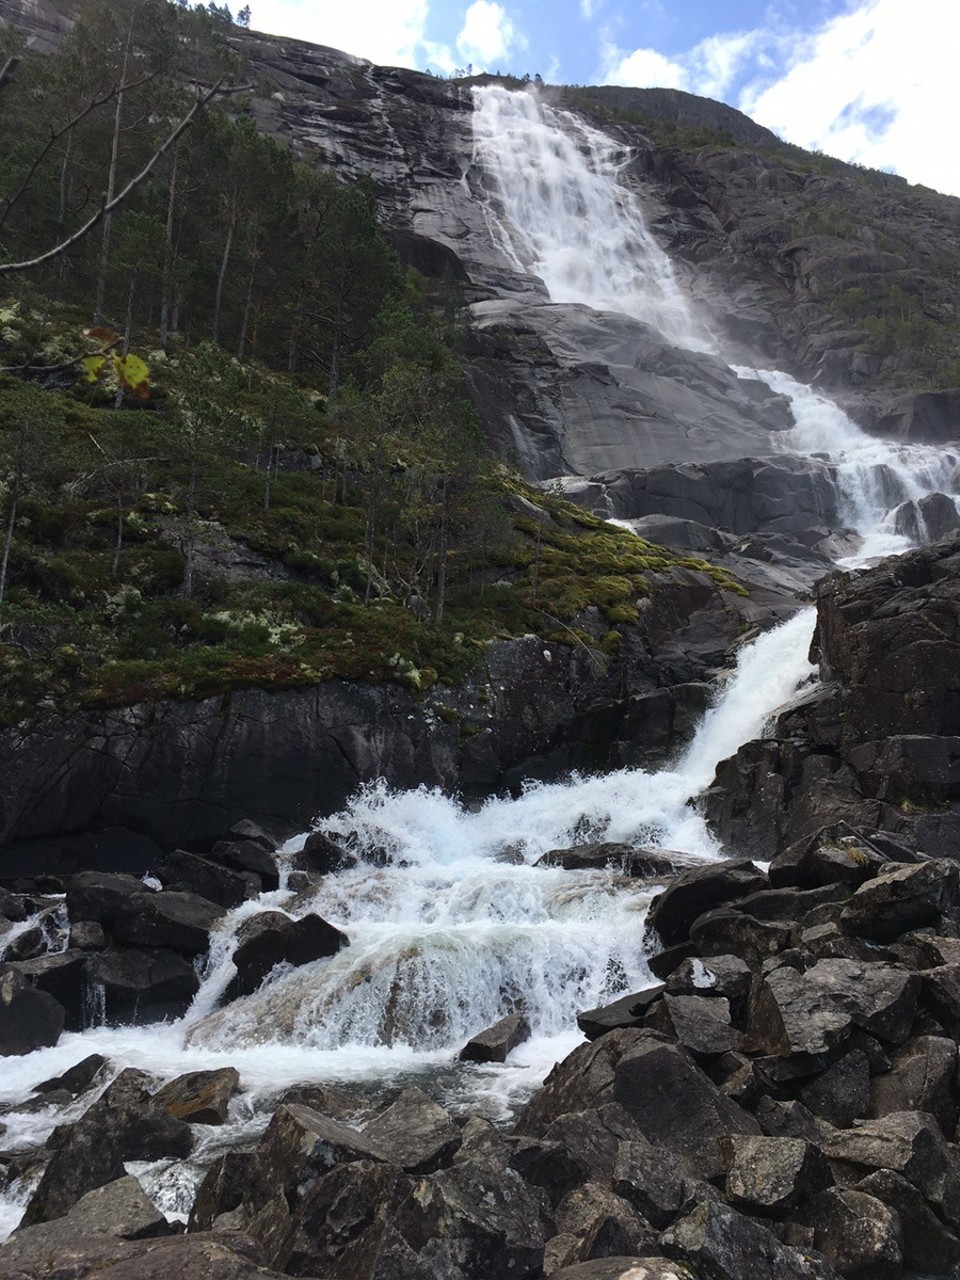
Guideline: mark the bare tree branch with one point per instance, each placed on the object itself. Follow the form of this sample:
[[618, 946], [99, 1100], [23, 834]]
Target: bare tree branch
[[57, 134], [7, 70], [108, 206]]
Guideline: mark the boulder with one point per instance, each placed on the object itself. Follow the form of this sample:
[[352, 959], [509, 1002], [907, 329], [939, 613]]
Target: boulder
[[182, 872], [497, 1042], [301, 1145], [415, 1133], [625, 859], [61, 975], [697, 891], [901, 899], [719, 975], [583, 1081], [723, 1244], [841, 1094], [628, 1011], [922, 1078], [907, 1142], [602, 1224], [180, 922], [324, 856], [77, 1079], [772, 1175], [99, 895], [140, 985], [248, 855], [730, 931], [578, 1147], [702, 1024], [123, 1124], [859, 1234], [654, 1187], [834, 855], [200, 1097], [29, 1018], [223, 1188], [272, 938], [928, 1245], [677, 1106]]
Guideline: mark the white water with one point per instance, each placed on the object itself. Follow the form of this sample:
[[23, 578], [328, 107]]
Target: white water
[[456, 926]]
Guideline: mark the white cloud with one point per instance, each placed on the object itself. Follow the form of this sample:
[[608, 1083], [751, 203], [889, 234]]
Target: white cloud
[[389, 32], [709, 68], [645, 68], [589, 7], [488, 35], [876, 86]]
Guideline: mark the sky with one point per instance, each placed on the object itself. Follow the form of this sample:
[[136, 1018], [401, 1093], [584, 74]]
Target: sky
[[868, 81]]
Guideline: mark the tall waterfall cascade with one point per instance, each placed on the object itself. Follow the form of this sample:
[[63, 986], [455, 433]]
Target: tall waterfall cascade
[[451, 923]]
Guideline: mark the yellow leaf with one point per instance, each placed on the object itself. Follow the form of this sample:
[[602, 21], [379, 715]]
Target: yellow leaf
[[92, 367], [132, 374]]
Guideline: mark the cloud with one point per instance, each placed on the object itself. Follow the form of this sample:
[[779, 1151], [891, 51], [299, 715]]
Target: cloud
[[875, 86], [488, 35], [709, 68], [589, 7], [389, 32]]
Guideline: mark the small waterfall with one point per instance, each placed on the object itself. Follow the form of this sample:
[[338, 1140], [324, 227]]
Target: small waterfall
[[561, 213]]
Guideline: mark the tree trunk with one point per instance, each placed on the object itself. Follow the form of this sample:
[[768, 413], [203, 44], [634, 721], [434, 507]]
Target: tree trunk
[[166, 305], [224, 262], [247, 307], [112, 181], [11, 524]]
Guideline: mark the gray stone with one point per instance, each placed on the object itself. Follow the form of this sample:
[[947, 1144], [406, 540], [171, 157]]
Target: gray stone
[[416, 1133], [859, 1234], [497, 1042]]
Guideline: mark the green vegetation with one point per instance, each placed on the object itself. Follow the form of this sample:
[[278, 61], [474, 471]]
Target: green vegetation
[[214, 474]]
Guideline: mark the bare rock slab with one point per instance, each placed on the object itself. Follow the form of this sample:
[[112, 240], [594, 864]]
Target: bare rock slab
[[498, 1041]]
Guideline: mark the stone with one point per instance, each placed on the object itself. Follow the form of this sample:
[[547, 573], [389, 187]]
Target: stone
[[583, 1081], [325, 856], [60, 975], [301, 1145], [628, 1011], [88, 935], [695, 892], [940, 994], [273, 938], [922, 1078], [99, 895], [632, 1268], [182, 872], [123, 1124], [676, 1105], [907, 1142], [655, 1188], [140, 985], [702, 1024], [77, 1079], [415, 1132], [29, 1019], [772, 1175], [841, 1094], [248, 855], [859, 1234], [602, 1224], [180, 922], [223, 1187], [837, 854], [725, 1245], [928, 1245], [624, 859], [496, 1043], [730, 931], [721, 975], [902, 899], [577, 1147], [200, 1097]]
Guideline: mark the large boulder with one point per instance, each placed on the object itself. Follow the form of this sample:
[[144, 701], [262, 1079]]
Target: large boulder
[[272, 938], [29, 1018], [180, 922]]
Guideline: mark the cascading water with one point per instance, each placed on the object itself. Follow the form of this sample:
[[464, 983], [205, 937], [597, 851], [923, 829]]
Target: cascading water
[[451, 922]]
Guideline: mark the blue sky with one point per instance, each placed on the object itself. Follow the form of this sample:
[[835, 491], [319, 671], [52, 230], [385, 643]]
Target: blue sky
[[870, 81]]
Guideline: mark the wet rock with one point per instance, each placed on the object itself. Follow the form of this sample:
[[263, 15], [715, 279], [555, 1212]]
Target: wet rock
[[695, 892], [29, 1019], [99, 895], [60, 975], [272, 938], [625, 859], [123, 1124], [141, 986], [182, 872], [725, 1245], [859, 1234], [323, 855], [497, 1042], [180, 922], [583, 1081], [200, 1097], [248, 830], [223, 1187], [77, 1079], [771, 1175], [676, 1105], [416, 1133], [901, 899], [628, 1011]]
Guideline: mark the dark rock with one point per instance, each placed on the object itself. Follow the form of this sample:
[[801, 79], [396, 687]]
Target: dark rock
[[222, 1189], [87, 935], [859, 1234], [496, 1043], [602, 1224], [578, 1147], [251, 831], [909, 769], [628, 1011], [99, 895], [729, 931], [723, 1244], [906, 1142], [928, 1245], [702, 1024], [677, 1106], [180, 922], [625, 859], [79, 1077], [200, 1097], [60, 975], [29, 1019], [416, 1133], [583, 1081], [834, 855], [921, 1078], [182, 872], [901, 899], [771, 1175], [301, 1145], [842, 1094], [695, 892], [652, 1185], [631, 1268], [940, 994], [131, 985], [123, 1124], [272, 938], [248, 855], [720, 975], [323, 855]]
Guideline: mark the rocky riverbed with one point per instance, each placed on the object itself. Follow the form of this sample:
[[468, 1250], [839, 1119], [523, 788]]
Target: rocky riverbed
[[782, 1102]]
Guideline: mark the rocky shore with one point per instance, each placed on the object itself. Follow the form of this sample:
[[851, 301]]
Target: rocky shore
[[784, 1102]]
